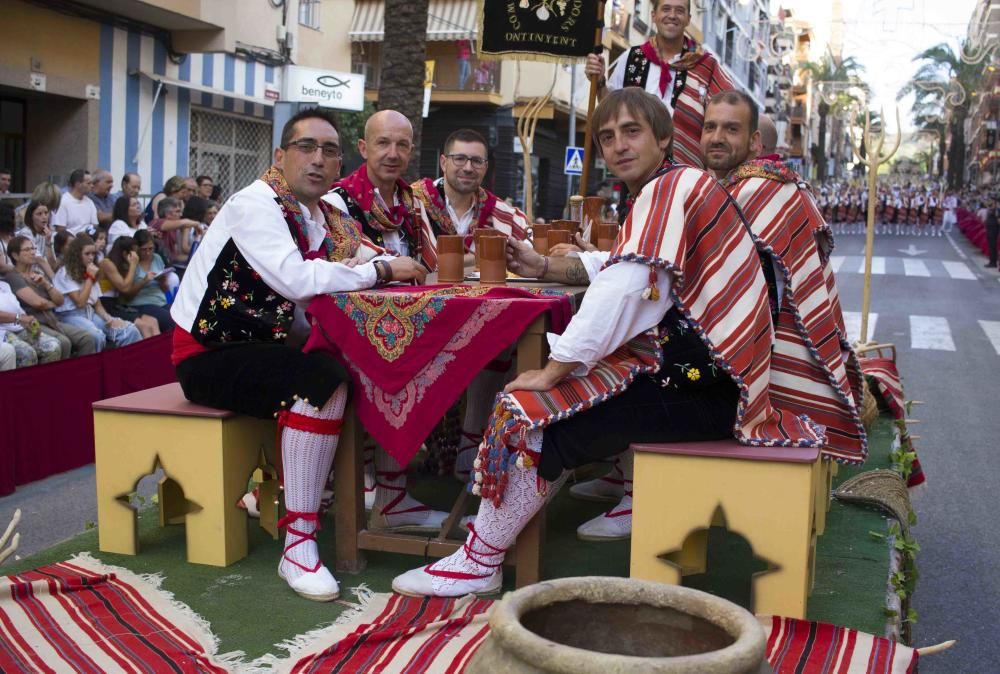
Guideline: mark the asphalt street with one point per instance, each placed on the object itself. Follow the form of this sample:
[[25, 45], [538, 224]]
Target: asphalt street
[[940, 306], [936, 302]]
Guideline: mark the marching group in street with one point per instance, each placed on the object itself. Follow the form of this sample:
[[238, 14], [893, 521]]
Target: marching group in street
[[910, 209]]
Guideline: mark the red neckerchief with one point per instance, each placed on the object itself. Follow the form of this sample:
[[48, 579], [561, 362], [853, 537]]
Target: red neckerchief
[[691, 54], [770, 157], [359, 187]]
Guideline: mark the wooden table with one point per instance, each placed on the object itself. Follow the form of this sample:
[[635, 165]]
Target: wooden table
[[353, 536]]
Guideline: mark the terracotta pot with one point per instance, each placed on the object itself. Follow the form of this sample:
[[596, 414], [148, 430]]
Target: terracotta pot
[[557, 236], [493, 260], [596, 625], [607, 232], [540, 238], [451, 258]]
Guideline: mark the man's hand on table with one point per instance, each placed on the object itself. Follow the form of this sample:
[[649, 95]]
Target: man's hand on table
[[407, 269], [523, 260], [541, 380], [564, 249]]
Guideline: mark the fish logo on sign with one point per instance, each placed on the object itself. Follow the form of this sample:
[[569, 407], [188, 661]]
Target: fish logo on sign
[[574, 161]]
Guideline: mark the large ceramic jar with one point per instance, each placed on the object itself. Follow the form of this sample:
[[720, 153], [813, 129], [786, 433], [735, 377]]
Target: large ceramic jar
[[597, 625]]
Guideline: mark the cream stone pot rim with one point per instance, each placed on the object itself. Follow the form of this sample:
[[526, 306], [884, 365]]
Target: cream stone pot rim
[[746, 651]]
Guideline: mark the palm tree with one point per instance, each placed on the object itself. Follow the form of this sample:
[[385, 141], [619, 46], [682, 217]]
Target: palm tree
[[832, 68], [942, 84], [404, 53]]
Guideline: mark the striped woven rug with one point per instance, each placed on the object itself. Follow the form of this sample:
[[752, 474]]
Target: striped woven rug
[[405, 635], [82, 617]]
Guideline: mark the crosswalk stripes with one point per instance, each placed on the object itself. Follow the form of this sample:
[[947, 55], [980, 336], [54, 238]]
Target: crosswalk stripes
[[852, 321], [992, 330], [930, 332], [915, 268], [958, 270], [878, 265], [904, 266]]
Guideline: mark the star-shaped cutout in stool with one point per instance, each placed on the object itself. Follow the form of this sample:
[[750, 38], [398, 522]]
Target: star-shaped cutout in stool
[[719, 561]]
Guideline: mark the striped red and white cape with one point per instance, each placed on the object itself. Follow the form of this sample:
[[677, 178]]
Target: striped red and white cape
[[683, 222], [705, 79], [813, 369]]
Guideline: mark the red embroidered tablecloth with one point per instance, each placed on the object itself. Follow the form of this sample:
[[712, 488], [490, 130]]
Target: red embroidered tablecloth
[[412, 351]]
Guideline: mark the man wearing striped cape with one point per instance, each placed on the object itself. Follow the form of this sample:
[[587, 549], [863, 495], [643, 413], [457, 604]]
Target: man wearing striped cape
[[672, 342], [813, 369]]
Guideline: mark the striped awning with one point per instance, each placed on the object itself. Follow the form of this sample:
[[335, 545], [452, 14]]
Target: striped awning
[[446, 20]]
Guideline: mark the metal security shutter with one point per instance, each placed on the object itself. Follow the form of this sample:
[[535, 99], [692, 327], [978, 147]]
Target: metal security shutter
[[233, 150]]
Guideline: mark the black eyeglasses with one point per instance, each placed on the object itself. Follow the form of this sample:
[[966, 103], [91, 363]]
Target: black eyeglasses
[[463, 159], [308, 146]]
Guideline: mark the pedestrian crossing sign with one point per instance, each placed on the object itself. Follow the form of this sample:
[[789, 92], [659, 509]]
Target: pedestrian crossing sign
[[574, 161]]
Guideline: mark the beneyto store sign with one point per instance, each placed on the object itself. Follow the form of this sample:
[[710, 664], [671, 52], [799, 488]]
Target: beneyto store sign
[[343, 91]]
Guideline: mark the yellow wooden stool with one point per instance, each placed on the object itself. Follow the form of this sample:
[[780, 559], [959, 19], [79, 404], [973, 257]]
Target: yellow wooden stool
[[207, 455], [766, 494]]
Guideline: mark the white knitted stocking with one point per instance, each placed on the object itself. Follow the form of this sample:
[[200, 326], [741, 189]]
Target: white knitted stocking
[[306, 460]]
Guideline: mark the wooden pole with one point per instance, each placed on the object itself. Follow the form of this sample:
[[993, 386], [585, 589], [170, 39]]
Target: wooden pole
[[874, 158], [591, 101]]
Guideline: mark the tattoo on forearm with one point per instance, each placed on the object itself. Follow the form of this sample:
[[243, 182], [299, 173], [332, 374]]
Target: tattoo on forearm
[[576, 274]]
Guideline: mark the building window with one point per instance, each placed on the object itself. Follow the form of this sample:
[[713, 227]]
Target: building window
[[309, 13], [234, 150]]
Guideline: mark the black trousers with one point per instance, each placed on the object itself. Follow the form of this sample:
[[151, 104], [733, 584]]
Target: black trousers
[[254, 379], [991, 242], [645, 412]]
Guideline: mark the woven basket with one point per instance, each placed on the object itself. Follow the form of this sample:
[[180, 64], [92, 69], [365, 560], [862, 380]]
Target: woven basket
[[869, 408]]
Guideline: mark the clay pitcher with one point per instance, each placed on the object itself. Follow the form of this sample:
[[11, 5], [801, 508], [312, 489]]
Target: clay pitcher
[[451, 258], [596, 625], [593, 211]]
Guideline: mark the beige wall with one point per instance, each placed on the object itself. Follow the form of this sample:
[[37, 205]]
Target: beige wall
[[68, 48], [329, 47]]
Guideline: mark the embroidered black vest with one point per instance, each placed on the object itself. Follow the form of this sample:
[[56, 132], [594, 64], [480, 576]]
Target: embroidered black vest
[[238, 306], [637, 71], [371, 232]]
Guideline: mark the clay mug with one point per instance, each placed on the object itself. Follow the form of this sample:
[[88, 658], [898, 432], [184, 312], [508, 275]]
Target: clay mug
[[493, 260], [451, 258], [607, 232], [558, 236], [540, 238]]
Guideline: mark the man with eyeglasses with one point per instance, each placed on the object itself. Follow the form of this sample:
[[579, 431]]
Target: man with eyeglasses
[[457, 203], [675, 69], [239, 313], [376, 194]]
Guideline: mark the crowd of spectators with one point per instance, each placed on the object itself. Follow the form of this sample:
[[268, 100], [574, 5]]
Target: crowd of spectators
[[84, 268]]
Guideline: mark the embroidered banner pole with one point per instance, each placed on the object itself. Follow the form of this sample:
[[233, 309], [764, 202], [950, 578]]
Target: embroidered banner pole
[[591, 104]]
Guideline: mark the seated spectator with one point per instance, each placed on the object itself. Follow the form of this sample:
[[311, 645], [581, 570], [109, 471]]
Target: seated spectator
[[76, 211], [176, 187], [175, 232], [39, 298], [102, 196], [127, 219], [100, 236], [205, 186], [6, 234], [8, 355], [77, 281], [203, 212], [45, 193], [22, 331], [118, 285], [59, 243], [150, 283], [36, 227]]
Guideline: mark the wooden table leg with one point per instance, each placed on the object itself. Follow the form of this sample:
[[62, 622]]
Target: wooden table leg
[[528, 551], [349, 491]]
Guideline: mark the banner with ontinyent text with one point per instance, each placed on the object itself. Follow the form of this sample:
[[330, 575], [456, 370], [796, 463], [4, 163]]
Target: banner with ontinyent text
[[540, 30]]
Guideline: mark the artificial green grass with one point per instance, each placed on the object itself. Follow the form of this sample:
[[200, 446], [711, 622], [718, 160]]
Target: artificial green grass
[[251, 609]]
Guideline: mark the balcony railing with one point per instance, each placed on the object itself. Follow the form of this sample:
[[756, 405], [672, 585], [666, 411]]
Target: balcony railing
[[475, 76]]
